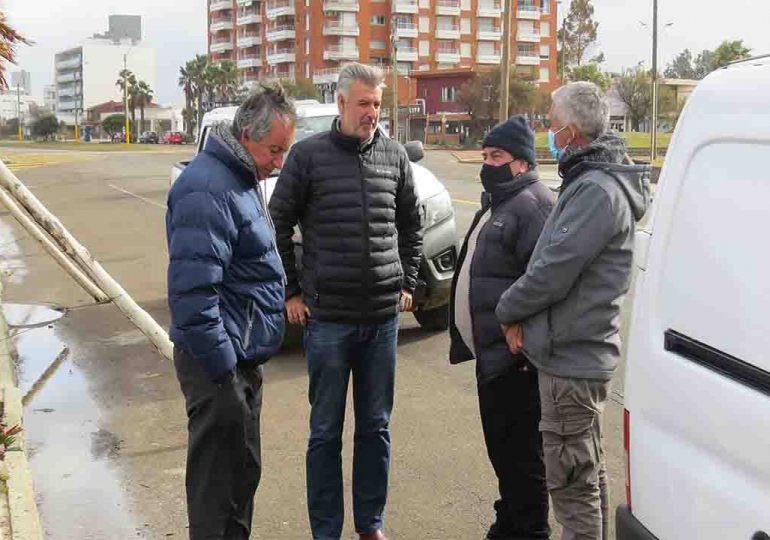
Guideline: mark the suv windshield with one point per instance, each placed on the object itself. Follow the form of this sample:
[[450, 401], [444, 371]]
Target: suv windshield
[[307, 126]]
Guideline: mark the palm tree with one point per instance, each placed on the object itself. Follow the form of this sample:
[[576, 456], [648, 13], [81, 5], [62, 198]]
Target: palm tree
[[197, 69], [127, 84], [212, 75], [229, 81], [186, 83], [144, 95], [9, 38]]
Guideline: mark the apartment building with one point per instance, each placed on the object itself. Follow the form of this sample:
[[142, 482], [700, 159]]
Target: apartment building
[[311, 39]]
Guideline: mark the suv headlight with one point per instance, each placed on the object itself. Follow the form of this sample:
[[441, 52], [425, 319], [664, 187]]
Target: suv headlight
[[437, 209]]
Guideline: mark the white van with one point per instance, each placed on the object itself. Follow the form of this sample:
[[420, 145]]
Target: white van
[[697, 386]]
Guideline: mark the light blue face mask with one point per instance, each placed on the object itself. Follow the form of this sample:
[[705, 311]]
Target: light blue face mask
[[556, 152]]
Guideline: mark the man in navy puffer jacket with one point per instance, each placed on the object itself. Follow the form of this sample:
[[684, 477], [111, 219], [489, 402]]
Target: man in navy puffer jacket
[[226, 295]]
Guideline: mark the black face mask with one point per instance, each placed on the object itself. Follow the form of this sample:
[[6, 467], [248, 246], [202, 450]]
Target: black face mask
[[492, 176]]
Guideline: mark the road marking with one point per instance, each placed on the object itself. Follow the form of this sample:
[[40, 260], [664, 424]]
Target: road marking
[[463, 201], [145, 199], [18, 161]]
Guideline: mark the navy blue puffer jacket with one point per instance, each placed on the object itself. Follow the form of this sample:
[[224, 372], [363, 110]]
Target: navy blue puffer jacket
[[225, 279]]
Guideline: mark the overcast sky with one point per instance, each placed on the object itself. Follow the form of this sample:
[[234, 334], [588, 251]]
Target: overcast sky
[[177, 29]]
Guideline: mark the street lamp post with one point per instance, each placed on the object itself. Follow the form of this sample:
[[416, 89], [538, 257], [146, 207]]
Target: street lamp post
[[125, 98], [18, 108], [394, 67], [505, 71], [654, 121]]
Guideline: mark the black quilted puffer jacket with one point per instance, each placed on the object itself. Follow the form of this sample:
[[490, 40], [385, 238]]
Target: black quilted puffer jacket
[[358, 211]]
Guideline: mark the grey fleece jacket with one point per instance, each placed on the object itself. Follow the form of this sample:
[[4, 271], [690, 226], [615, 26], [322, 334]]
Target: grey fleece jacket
[[569, 299]]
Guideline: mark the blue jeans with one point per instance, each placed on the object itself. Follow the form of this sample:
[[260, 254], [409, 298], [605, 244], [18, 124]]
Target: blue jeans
[[334, 350]]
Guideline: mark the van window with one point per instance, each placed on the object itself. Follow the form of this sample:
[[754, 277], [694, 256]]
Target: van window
[[715, 285], [308, 126]]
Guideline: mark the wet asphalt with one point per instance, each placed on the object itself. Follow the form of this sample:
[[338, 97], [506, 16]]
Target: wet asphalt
[[104, 417]]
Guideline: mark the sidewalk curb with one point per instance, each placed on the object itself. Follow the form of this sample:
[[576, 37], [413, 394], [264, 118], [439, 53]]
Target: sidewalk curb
[[19, 495]]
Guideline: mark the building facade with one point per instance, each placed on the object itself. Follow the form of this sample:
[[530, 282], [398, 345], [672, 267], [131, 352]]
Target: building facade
[[311, 39], [85, 76]]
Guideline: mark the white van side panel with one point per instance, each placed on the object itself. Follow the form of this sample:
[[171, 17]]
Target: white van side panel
[[700, 441]]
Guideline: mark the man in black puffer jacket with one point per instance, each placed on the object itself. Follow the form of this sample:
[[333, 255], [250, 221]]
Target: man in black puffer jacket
[[352, 193], [494, 255]]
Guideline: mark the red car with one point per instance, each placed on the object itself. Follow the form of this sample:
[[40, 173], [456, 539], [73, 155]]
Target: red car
[[173, 137]]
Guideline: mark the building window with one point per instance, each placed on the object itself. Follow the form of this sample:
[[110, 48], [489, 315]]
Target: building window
[[546, 6], [545, 75], [486, 93], [378, 20], [545, 52], [545, 29], [377, 44], [448, 94]]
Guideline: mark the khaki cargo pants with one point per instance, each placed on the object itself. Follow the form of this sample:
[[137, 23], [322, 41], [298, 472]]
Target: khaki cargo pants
[[574, 456]]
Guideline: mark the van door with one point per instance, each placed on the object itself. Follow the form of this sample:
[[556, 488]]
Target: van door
[[698, 387]]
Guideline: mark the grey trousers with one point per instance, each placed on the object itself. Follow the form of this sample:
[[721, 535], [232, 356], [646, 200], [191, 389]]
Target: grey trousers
[[571, 425], [224, 464]]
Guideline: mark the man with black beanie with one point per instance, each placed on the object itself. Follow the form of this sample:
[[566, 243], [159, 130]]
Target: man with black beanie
[[496, 251]]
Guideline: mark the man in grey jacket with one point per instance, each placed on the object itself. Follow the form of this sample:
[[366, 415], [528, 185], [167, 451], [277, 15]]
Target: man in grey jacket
[[564, 312]]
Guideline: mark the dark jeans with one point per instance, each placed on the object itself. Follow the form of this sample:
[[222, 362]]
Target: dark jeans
[[223, 450], [510, 415], [334, 351]]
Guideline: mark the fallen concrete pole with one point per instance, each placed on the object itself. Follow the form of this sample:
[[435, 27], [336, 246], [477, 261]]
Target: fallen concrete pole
[[80, 255], [52, 249]]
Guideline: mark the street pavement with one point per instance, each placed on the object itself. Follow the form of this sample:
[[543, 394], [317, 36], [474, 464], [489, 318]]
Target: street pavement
[[106, 427]]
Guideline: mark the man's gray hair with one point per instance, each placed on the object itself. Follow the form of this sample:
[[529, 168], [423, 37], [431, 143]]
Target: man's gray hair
[[352, 72], [584, 105], [256, 114]]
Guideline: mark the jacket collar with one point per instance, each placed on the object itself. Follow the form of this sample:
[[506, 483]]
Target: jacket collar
[[352, 144], [217, 149], [503, 192]]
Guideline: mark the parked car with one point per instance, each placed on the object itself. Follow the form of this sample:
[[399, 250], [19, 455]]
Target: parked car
[[173, 137], [148, 137], [439, 230], [697, 382]]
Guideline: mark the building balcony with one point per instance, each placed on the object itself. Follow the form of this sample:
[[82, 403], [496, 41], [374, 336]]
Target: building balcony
[[220, 5], [68, 78], [407, 54], [69, 92], [448, 32], [249, 40], [335, 52], [280, 33], [490, 10], [340, 5], [279, 8], [69, 64], [246, 3], [221, 46], [219, 25], [493, 58], [405, 30], [405, 6], [528, 37], [249, 18], [527, 59], [449, 7], [326, 76], [281, 56], [531, 13], [490, 34], [251, 61], [334, 28], [448, 56]]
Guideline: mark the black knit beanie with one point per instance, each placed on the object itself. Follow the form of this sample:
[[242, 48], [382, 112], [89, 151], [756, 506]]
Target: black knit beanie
[[516, 137]]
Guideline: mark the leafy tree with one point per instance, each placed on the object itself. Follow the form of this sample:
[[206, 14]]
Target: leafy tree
[[592, 73], [305, 89], [730, 51], [128, 87], [114, 124], [578, 32], [45, 126], [226, 81], [634, 89], [681, 67]]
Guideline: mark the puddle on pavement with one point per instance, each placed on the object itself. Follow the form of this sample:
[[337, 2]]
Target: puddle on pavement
[[77, 485], [11, 263], [30, 315]]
